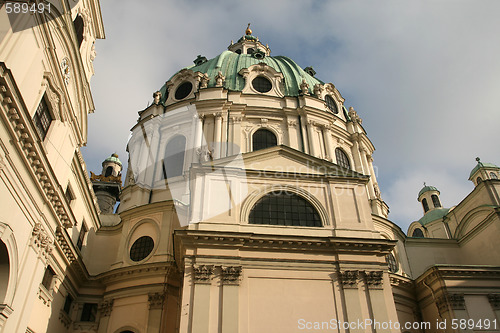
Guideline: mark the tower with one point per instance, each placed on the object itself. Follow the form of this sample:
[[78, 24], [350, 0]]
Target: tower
[[107, 185]]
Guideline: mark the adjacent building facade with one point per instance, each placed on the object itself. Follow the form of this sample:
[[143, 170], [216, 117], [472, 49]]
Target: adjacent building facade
[[249, 204]]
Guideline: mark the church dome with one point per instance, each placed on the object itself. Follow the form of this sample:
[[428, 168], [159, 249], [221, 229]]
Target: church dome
[[113, 158], [480, 165], [427, 188], [230, 64]]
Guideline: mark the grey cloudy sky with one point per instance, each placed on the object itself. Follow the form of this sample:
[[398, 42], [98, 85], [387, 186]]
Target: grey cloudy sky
[[423, 75]]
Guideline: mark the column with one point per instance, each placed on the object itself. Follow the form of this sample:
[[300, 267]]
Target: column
[[310, 132], [155, 301], [349, 282], [378, 305], [217, 134], [364, 162], [303, 131], [327, 137], [224, 135], [201, 298], [235, 144], [293, 134], [230, 300], [105, 309], [356, 153], [198, 136]]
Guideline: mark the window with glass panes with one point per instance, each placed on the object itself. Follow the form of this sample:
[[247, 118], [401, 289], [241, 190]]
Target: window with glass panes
[[42, 118], [342, 158], [284, 209], [262, 139]]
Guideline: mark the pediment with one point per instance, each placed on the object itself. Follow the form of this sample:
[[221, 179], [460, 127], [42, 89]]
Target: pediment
[[283, 159]]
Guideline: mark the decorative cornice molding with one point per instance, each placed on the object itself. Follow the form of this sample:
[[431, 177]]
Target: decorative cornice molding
[[299, 243], [156, 300], [349, 279], [203, 273], [27, 142], [231, 275]]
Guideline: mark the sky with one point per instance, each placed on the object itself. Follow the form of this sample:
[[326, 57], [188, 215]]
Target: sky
[[423, 75]]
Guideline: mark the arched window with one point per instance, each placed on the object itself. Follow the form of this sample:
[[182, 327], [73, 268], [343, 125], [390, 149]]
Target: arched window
[[330, 103], [342, 158], [173, 163], [4, 270], [479, 179], [418, 233], [493, 175], [109, 171], [435, 201], [284, 209], [79, 26], [263, 138], [425, 204], [392, 263]]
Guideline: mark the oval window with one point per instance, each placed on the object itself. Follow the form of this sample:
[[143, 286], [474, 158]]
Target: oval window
[[261, 84], [183, 90], [141, 248]]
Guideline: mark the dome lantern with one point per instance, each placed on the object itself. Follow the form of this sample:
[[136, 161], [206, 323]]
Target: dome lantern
[[484, 171]]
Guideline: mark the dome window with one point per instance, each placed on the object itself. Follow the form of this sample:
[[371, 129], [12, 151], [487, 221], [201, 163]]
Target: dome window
[[262, 139], [250, 51], [200, 60], [284, 209], [259, 54], [425, 204], [479, 180], [238, 51], [391, 262], [183, 90], [418, 233], [330, 103], [261, 84], [342, 158], [309, 70], [493, 175], [141, 248], [435, 201]]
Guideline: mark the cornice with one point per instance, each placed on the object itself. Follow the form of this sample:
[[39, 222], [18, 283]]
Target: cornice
[[30, 148], [445, 272], [284, 242], [134, 272]]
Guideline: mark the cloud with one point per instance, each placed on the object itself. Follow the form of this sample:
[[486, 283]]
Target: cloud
[[423, 75]]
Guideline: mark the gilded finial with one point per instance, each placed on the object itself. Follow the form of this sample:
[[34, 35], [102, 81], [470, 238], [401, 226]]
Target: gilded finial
[[248, 31], [425, 184]]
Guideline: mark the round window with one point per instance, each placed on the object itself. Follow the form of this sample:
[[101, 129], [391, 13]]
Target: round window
[[330, 103], [261, 84], [141, 248], [184, 90]]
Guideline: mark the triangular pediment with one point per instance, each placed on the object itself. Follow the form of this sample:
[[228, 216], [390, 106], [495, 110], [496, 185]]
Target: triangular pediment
[[283, 159]]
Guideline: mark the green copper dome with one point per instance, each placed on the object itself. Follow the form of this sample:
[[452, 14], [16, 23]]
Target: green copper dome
[[482, 165], [427, 188], [113, 158], [433, 215], [230, 63]]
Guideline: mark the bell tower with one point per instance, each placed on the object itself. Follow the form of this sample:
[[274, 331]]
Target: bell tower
[[107, 186]]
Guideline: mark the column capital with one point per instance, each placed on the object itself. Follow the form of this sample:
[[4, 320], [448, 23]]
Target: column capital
[[494, 301], [374, 279], [349, 279], [106, 307], [231, 275], [156, 300], [203, 273]]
